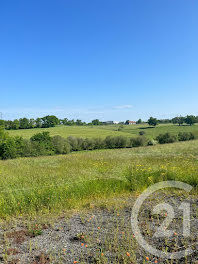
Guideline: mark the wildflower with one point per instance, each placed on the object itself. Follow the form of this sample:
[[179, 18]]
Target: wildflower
[[175, 234], [102, 254], [128, 254], [156, 261], [98, 228], [75, 261], [82, 244], [86, 246], [147, 258]]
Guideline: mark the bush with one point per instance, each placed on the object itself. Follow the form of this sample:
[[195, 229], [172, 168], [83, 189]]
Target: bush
[[116, 142], [42, 144], [99, 143], [8, 149], [184, 136], [88, 144], [67, 147], [141, 133], [109, 142], [58, 143], [166, 138], [138, 142], [80, 143], [73, 143], [121, 142], [20, 145], [3, 135], [28, 149]]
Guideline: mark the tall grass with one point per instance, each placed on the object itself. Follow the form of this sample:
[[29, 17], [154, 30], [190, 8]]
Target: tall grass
[[46, 184]]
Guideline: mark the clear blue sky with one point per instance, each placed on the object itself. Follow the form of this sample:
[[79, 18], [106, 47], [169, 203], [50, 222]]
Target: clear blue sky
[[106, 59]]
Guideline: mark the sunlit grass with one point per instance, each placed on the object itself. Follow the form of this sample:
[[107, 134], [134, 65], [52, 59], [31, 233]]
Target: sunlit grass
[[31, 185], [110, 130]]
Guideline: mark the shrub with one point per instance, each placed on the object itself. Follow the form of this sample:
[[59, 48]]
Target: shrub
[[67, 147], [28, 149], [138, 142], [88, 144], [116, 142], [166, 138], [121, 142], [20, 145], [184, 136], [58, 143], [141, 133], [109, 142], [73, 143], [42, 144], [99, 143], [3, 134], [8, 149], [80, 143]]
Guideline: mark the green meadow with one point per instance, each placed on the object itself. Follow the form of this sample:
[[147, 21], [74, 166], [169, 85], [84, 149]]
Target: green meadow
[[110, 130], [73, 181]]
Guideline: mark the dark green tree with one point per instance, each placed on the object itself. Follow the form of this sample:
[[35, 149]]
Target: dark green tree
[[190, 120], [15, 124], [38, 123], [50, 121], [178, 120], [23, 123], [152, 121], [139, 121], [96, 122]]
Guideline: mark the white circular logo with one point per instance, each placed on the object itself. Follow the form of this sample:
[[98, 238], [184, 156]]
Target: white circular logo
[[161, 231]]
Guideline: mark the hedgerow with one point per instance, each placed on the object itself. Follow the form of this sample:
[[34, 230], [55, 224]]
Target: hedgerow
[[43, 144]]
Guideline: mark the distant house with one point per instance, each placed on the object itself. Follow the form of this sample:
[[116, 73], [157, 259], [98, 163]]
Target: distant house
[[132, 122], [116, 122]]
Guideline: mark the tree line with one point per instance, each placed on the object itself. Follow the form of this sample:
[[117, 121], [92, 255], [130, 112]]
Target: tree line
[[52, 121], [43, 144], [44, 122], [189, 120]]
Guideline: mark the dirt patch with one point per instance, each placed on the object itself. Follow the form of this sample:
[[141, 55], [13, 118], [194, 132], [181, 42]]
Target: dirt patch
[[12, 251], [18, 236], [14, 261], [41, 259]]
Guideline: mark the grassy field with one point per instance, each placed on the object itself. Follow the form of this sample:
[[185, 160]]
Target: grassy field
[[76, 208], [46, 184], [103, 131]]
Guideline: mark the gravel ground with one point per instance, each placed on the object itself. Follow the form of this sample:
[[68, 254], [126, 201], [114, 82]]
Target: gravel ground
[[99, 235]]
